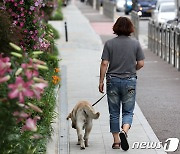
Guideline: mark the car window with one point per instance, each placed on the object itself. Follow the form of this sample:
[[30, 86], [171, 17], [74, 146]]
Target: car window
[[167, 8]]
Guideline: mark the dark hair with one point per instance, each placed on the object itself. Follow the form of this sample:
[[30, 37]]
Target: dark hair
[[123, 26]]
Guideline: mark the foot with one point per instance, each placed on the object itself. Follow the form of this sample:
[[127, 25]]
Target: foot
[[86, 143], [116, 146], [124, 142], [82, 148]]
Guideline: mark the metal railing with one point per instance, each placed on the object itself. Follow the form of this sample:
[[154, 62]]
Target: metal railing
[[164, 40]]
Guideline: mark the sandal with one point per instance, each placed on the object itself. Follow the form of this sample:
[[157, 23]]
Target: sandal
[[116, 146], [124, 142]]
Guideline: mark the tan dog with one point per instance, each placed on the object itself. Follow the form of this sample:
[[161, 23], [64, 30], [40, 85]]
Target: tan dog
[[81, 117]]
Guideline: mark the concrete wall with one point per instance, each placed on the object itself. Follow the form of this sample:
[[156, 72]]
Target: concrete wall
[[109, 9]]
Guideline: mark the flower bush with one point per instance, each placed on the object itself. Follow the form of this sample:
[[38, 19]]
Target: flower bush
[[8, 32], [27, 63]]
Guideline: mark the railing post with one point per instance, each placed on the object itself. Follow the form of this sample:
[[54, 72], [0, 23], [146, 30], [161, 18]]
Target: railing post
[[135, 21]]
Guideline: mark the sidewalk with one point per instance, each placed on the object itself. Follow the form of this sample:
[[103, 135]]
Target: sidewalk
[[80, 77]]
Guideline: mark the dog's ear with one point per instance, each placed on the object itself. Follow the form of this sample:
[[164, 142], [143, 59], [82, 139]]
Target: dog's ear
[[69, 116]]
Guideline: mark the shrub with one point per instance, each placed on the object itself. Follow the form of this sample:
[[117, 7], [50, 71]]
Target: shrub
[[55, 32], [8, 32], [58, 12]]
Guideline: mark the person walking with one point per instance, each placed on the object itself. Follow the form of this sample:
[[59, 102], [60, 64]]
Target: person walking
[[122, 56]]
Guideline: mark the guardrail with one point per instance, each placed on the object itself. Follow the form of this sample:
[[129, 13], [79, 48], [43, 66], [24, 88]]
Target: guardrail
[[164, 40], [135, 21]]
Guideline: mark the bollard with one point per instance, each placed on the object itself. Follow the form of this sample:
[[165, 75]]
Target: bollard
[[66, 33], [156, 38], [159, 39], [163, 42], [177, 48], [167, 53], [150, 34], [172, 45], [153, 37]]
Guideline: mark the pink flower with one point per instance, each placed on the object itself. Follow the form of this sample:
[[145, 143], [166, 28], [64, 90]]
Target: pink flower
[[21, 24], [20, 89], [10, 10], [32, 8], [4, 65], [25, 31], [21, 2], [36, 4], [34, 21], [31, 73], [30, 69], [30, 125], [20, 114], [38, 89]]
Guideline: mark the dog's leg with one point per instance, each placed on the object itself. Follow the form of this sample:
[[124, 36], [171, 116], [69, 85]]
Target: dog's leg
[[80, 135], [87, 131]]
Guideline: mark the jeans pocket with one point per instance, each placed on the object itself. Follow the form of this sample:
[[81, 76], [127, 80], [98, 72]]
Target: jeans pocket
[[131, 90]]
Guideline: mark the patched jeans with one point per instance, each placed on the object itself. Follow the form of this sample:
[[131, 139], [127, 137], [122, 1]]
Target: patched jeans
[[121, 91]]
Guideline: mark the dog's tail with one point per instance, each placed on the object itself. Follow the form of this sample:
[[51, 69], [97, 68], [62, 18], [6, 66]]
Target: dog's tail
[[91, 113]]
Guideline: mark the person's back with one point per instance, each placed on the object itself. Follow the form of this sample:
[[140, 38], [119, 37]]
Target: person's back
[[123, 54]]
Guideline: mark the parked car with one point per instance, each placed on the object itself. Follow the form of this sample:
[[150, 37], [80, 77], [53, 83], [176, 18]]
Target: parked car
[[120, 5], [159, 2], [145, 7], [166, 11], [128, 6]]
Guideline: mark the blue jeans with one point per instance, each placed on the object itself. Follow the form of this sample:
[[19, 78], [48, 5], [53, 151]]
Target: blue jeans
[[121, 91]]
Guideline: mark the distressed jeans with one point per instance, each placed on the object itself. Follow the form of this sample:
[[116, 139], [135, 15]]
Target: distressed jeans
[[121, 91]]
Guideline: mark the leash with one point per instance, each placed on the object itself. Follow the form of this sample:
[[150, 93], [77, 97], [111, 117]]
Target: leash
[[99, 99]]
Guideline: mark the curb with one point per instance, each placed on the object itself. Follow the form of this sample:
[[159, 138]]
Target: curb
[[63, 141]]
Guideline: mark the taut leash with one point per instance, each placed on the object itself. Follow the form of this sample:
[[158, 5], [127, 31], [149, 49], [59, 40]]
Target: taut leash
[[99, 99]]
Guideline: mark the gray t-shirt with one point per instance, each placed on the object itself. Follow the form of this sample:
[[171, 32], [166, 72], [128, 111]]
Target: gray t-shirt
[[122, 52]]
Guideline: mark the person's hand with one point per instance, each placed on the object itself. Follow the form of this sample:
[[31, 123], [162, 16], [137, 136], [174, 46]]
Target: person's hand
[[101, 87]]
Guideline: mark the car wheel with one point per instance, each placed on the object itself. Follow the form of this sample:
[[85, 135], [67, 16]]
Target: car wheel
[[117, 10], [126, 13]]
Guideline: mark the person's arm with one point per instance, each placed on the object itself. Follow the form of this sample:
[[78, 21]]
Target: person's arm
[[103, 69], [139, 64]]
